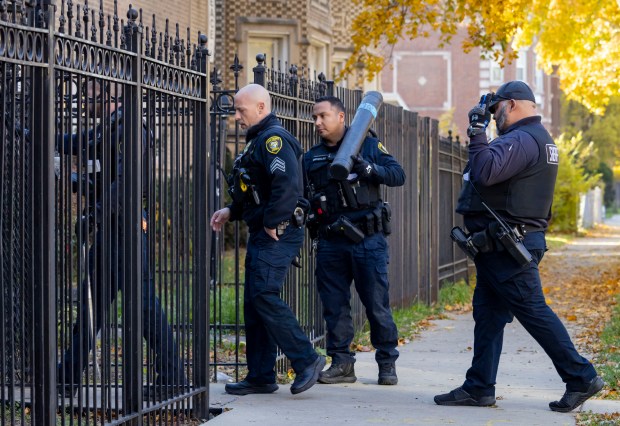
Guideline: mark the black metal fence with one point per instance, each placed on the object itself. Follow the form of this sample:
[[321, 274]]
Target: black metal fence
[[104, 164], [422, 254], [114, 292]]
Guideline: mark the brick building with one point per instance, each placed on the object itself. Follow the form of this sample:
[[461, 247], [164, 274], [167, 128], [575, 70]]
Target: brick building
[[312, 34], [437, 81], [315, 36]]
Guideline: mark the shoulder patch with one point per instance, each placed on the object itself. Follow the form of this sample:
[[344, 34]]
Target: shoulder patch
[[274, 144], [382, 148], [553, 155]]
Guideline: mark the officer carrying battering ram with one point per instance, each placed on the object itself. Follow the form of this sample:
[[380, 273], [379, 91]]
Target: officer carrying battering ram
[[266, 186], [348, 222], [506, 203]]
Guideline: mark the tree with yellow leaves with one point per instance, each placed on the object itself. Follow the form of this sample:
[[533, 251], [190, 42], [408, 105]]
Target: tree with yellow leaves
[[578, 39]]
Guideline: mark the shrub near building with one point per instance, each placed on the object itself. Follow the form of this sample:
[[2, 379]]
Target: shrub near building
[[573, 180]]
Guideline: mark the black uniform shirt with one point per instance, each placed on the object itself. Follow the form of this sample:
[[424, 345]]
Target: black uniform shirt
[[274, 166]]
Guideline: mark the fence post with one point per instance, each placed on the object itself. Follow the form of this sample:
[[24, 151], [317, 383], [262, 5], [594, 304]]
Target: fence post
[[44, 400], [131, 222], [202, 192], [293, 91], [424, 223], [433, 290], [330, 87], [259, 70]]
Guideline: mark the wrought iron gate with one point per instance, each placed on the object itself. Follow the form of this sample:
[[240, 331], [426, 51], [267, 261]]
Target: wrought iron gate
[[104, 209]]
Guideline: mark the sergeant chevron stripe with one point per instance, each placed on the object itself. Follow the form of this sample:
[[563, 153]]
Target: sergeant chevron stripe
[[277, 164]]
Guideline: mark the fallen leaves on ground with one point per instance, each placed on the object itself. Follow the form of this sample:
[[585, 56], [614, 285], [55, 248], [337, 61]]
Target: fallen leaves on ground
[[582, 290], [590, 418]]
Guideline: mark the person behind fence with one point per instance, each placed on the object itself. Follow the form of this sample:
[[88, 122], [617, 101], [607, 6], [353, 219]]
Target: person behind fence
[[506, 203], [351, 221], [266, 186], [106, 267]]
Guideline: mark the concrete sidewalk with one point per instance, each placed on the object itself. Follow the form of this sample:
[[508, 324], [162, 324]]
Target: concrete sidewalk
[[433, 363]]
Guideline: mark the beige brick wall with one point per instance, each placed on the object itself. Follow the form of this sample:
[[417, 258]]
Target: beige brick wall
[[315, 21], [187, 13]]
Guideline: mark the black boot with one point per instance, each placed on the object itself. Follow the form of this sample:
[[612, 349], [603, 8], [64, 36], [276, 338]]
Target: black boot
[[338, 373], [572, 400], [245, 388], [460, 397], [387, 374]]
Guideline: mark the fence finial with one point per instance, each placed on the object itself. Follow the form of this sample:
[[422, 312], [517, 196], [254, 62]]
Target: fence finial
[[132, 16], [85, 18], [78, 25], [61, 18], [259, 70], [101, 21], [153, 37], [293, 80], [202, 42], [116, 28]]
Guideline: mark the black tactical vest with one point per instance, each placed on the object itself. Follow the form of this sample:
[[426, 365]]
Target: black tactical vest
[[341, 197], [528, 194]]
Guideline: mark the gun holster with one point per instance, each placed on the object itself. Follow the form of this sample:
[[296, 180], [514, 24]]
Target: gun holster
[[343, 226], [464, 241]]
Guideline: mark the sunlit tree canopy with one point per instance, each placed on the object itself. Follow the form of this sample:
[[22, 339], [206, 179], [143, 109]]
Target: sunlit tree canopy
[[579, 39]]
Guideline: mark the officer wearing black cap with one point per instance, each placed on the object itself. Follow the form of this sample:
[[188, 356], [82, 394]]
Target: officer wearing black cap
[[267, 191], [515, 176], [352, 222]]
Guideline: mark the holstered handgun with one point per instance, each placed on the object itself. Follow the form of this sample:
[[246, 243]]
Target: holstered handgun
[[344, 226], [464, 242]]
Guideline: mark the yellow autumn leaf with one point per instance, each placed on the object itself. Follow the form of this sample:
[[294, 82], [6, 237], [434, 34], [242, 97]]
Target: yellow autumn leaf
[[578, 40]]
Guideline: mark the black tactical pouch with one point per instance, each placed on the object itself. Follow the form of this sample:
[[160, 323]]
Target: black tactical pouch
[[370, 221], [483, 241], [386, 219]]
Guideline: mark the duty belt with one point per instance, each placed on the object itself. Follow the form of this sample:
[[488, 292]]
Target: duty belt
[[375, 221], [529, 228]]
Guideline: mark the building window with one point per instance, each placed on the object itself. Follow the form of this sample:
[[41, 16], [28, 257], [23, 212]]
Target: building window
[[496, 73], [317, 59], [540, 78], [339, 59], [522, 66], [275, 46]]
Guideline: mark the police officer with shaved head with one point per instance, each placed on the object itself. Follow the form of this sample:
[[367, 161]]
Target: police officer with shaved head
[[506, 203], [266, 186]]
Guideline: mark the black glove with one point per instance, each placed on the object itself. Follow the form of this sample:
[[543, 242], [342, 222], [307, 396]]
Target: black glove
[[480, 116], [363, 168]]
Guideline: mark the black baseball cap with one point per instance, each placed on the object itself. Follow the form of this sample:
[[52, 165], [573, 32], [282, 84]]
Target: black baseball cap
[[516, 90]]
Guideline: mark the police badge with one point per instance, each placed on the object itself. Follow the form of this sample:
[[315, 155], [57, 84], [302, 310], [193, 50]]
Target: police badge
[[274, 144]]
